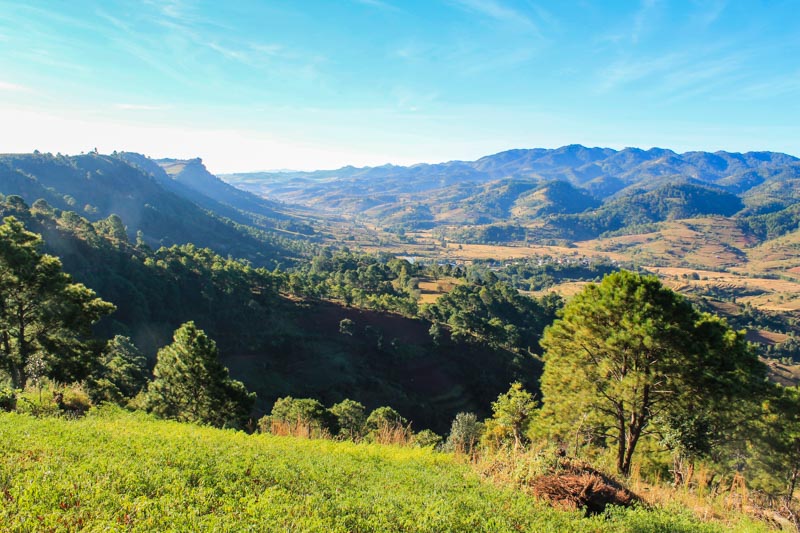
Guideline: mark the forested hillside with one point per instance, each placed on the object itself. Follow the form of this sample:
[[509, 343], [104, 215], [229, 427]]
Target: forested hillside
[[281, 333], [154, 208]]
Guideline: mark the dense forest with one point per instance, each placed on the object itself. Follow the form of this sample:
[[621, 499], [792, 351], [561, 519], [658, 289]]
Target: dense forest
[[267, 323]]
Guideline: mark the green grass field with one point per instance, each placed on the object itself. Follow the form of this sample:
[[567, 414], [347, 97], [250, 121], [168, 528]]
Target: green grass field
[[114, 471]]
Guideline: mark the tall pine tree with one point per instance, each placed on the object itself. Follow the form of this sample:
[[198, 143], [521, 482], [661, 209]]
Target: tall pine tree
[[45, 319], [628, 353], [190, 384]]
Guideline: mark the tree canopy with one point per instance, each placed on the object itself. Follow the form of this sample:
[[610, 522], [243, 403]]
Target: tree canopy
[[628, 352], [45, 319], [190, 384]]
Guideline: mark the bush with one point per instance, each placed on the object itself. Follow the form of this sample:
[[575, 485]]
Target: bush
[[8, 399], [465, 432], [302, 417], [427, 439], [52, 400], [350, 417]]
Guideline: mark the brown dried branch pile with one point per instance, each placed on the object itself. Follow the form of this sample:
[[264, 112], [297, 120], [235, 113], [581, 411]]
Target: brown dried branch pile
[[582, 488]]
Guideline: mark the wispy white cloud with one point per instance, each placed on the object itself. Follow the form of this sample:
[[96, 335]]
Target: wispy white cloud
[[412, 100], [548, 18], [789, 84], [178, 51], [173, 9], [675, 76], [380, 4], [412, 51], [708, 11], [148, 49], [14, 87], [643, 19], [140, 107], [626, 71], [268, 49], [499, 12]]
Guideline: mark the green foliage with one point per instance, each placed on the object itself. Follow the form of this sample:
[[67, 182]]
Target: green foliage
[[512, 413], [771, 225], [465, 432], [629, 348], [427, 439], [668, 202], [774, 438], [493, 312], [384, 417], [350, 418], [346, 326], [122, 372], [8, 398], [537, 273], [297, 412], [45, 319], [381, 283], [159, 475], [284, 346], [190, 384]]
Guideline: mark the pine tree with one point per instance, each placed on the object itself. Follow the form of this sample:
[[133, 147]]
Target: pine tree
[[45, 319], [121, 374], [190, 384], [628, 353]]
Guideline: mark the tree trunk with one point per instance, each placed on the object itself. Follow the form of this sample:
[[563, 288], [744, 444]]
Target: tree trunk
[[638, 422], [677, 470], [17, 377], [634, 433], [792, 485], [22, 350], [621, 444]]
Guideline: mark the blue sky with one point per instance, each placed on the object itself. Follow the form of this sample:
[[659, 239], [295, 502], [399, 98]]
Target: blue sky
[[319, 84]]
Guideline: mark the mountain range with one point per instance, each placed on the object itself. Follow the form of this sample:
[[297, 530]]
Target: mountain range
[[525, 186]]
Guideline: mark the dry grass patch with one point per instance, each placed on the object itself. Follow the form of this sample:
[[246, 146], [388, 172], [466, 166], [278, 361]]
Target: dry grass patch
[[786, 375], [431, 290], [780, 254], [566, 290]]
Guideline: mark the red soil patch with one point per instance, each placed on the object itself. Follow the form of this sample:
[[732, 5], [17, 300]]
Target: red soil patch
[[324, 317]]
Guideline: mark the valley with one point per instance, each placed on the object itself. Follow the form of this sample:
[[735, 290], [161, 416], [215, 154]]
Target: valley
[[395, 266], [431, 300]]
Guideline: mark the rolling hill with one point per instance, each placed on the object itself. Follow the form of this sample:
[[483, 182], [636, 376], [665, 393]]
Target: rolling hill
[[602, 171], [569, 193]]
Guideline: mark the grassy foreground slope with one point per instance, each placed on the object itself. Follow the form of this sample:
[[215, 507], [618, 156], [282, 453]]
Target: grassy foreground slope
[[114, 471]]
